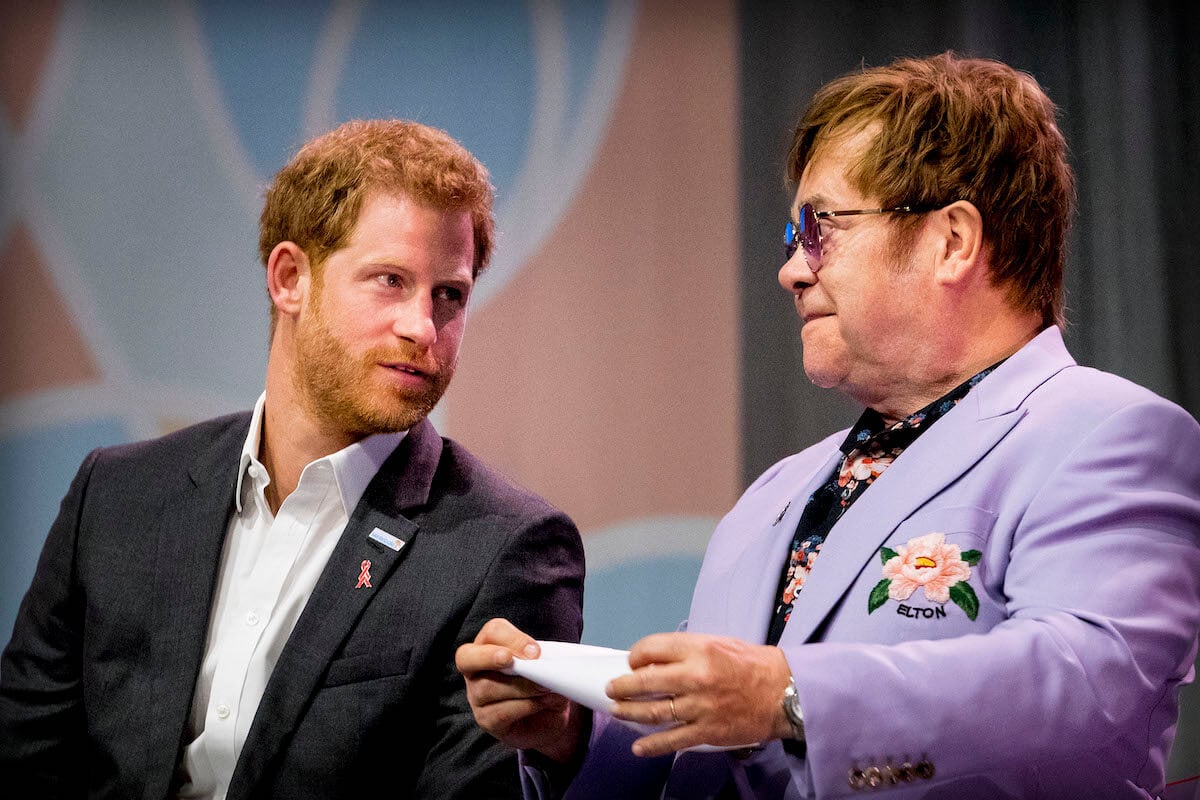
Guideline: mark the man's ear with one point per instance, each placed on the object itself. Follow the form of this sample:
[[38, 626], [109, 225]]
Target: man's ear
[[289, 275], [961, 248]]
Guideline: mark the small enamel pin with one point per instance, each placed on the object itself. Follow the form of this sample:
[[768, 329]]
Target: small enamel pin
[[386, 539], [364, 577]]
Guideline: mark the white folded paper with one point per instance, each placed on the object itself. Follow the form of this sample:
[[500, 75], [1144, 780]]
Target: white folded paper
[[580, 672]]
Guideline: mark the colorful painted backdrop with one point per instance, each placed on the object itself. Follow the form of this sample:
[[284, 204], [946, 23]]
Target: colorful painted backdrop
[[600, 365]]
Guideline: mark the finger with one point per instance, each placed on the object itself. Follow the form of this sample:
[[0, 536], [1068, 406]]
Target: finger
[[661, 648], [660, 711], [500, 631], [471, 659], [499, 718], [487, 688], [668, 741], [649, 681], [531, 695]]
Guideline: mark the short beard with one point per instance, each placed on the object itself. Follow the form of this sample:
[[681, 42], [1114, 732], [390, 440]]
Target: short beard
[[336, 387]]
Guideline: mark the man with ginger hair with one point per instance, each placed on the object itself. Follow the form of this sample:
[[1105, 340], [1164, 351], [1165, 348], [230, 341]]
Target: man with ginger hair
[[989, 586], [266, 605]]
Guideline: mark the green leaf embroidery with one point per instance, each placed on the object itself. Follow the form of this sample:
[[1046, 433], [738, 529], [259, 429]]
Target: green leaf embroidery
[[971, 556], [965, 598], [879, 595], [887, 554]]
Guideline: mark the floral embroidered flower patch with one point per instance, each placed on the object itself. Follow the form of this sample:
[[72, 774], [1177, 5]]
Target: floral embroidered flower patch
[[926, 562]]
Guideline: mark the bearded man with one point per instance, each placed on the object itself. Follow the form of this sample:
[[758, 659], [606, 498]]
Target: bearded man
[[267, 604]]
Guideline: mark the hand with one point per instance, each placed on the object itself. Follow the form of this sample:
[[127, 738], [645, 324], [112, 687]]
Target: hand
[[723, 692], [514, 710]]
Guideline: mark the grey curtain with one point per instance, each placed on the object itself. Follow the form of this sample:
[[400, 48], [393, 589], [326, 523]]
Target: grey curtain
[[1126, 77]]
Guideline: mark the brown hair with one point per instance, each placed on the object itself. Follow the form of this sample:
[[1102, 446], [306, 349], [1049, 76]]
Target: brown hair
[[316, 198], [954, 128]]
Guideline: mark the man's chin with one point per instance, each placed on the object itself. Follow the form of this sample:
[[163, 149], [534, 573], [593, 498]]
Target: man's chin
[[821, 375], [397, 414], [393, 422]]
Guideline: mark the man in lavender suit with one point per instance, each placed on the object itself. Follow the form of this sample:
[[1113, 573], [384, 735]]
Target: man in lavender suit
[[990, 585]]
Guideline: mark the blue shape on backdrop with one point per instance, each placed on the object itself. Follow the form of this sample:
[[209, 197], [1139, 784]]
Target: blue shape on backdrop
[[623, 603], [262, 55], [46, 459], [466, 68]]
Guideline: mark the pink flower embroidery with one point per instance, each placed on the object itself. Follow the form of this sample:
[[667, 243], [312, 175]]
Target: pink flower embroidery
[[926, 562]]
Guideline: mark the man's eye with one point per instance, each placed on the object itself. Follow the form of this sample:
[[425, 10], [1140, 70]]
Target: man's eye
[[389, 279], [450, 294]]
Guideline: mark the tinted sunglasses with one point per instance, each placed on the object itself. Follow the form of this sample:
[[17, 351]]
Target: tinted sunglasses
[[806, 234]]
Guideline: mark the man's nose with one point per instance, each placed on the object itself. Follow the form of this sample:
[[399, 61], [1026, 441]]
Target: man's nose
[[414, 321], [795, 275]]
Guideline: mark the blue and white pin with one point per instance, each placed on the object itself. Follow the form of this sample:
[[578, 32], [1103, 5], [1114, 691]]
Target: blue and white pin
[[386, 539]]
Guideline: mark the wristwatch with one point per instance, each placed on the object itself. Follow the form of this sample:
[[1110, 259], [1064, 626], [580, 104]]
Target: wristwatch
[[791, 710]]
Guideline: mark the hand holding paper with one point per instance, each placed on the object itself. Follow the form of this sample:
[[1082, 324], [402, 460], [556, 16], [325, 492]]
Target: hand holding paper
[[522, 714], [682, 691], [581, 672]]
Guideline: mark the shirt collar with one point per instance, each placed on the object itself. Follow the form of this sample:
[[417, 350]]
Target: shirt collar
[[353, 466], [871, 424]]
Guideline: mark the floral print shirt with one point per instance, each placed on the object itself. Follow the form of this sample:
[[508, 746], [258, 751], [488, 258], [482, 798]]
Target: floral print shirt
[[869, 449]]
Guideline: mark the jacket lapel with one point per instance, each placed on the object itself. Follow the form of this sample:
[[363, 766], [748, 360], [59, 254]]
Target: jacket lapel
[[190, 535], [338, 600], [755, 573], [948, 449]]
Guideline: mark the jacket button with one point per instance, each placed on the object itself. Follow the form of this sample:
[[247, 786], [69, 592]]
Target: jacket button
[[856, 778], [924, 769], [874, 777], [905, 772]]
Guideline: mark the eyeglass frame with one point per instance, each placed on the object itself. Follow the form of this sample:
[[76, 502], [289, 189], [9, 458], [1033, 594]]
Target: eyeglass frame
[[792, 231]]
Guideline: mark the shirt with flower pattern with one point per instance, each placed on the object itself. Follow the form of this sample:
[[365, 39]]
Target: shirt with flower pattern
[[869, 449]]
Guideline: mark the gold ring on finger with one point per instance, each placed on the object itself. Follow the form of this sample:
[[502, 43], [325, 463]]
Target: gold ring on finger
[[674, 716]]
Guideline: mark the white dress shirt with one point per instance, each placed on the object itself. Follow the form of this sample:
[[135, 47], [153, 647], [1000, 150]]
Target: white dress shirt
[[269, 567]]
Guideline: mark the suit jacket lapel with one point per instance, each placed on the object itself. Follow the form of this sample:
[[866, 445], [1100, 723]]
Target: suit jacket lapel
[[939, 456], [190, 535], [756, 572], [735, 581], [338, 600]]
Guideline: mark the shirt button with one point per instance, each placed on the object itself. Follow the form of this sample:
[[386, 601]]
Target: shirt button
[[252, 618], [222, 711]]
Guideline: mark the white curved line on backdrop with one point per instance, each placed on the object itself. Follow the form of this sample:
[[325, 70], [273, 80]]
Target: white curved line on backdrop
[[212, 109], [607, 79], [39, 409], [532, 184], [141, 408], [557, 160], [648, 537], [333, 45]]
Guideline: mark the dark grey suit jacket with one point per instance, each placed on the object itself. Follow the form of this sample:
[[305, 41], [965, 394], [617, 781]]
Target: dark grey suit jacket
[[96, 684]]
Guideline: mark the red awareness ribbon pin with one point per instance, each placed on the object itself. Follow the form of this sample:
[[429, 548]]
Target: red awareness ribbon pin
[[364, 577]]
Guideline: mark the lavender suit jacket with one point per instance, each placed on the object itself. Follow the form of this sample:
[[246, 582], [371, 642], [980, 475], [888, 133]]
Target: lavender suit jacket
[[1080, 493]]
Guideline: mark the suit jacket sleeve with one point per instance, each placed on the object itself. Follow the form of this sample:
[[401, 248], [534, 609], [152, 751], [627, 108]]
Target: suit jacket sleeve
[[42, 725], [536, 582], [1101, 588]]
